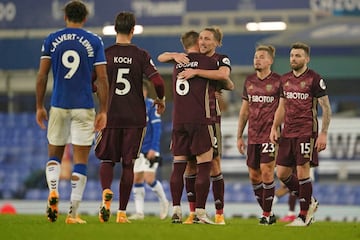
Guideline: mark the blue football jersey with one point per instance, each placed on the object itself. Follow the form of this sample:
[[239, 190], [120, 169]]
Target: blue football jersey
[[73, 52], [153, 128]]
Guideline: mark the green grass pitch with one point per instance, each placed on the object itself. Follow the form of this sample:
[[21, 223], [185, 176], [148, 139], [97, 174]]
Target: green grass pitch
[[35, 227]]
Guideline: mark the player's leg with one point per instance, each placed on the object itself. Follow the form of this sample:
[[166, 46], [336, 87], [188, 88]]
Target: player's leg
[[190, 178], [139, 188], [58, 136], [130, 148], [82, 137], [157, 188], [78, 182], [267, 175], [104, 151], [177, 186], [180, 147], [202, 185], [217, 178], [218, 188]]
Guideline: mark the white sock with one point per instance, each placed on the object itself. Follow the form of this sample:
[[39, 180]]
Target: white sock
[[139, 195], [159, 191], [78, 183], [52, 172]]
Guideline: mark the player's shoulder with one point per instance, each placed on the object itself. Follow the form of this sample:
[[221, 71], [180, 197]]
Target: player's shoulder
[[251, 77], [287, 75], [311, 72], [275, 75]]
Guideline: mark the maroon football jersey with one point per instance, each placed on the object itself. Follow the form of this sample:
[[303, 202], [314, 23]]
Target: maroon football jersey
[[301, 94], [263, 97], [191, 97], [126, 66]]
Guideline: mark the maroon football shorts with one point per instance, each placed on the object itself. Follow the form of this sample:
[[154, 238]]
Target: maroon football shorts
[[118, 144], [297, 151], [260, 153], [191, 139]]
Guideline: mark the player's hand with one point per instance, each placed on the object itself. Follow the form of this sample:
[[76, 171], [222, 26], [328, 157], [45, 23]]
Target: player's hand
[[181, 58], [320, 143], [241, 145], [187, 73], [160, 105], [274, 136], [41, 117], [100, 122]]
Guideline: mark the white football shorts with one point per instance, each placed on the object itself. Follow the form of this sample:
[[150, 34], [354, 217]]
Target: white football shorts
[[74, 126], [142, 164]]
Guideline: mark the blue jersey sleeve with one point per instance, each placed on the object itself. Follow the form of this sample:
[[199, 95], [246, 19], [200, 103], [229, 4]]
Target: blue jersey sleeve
[[153, 131]]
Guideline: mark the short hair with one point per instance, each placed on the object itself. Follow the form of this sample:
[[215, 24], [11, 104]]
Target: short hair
[[216, 31], [124, 22], [76, 11], [301, 45], [268, 48], [189, 39]]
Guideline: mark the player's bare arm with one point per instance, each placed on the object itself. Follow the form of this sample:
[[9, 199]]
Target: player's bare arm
[[243, 118], [173, 57], [102, 85], [326, 109], [41, 83], [278, 119], [222, 74]]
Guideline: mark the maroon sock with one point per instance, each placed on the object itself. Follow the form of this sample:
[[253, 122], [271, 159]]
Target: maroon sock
[[202, 183], [268, 196], [258, 192], [292, 183], [126, 183], [177, 181], [106, 173], [190, 190], [218, 192], [305, 194], [292, 202]]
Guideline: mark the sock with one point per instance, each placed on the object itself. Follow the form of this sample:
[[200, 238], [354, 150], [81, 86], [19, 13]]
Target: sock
[[78, 183], [202, 183], [190, 191], [126, 183], [268, 196], [305, 195], [258, 192], [292, 183], [158, 189], [292, 202], [218, 192], [106, 173], [139, 195], [177, 181], [52, 172]]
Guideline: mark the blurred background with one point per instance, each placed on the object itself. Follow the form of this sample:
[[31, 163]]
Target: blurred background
[[330, 27]]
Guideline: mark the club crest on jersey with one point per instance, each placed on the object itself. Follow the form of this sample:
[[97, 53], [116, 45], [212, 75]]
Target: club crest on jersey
[[322, 84], [269, 87], [302, 84], [226, 61]]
